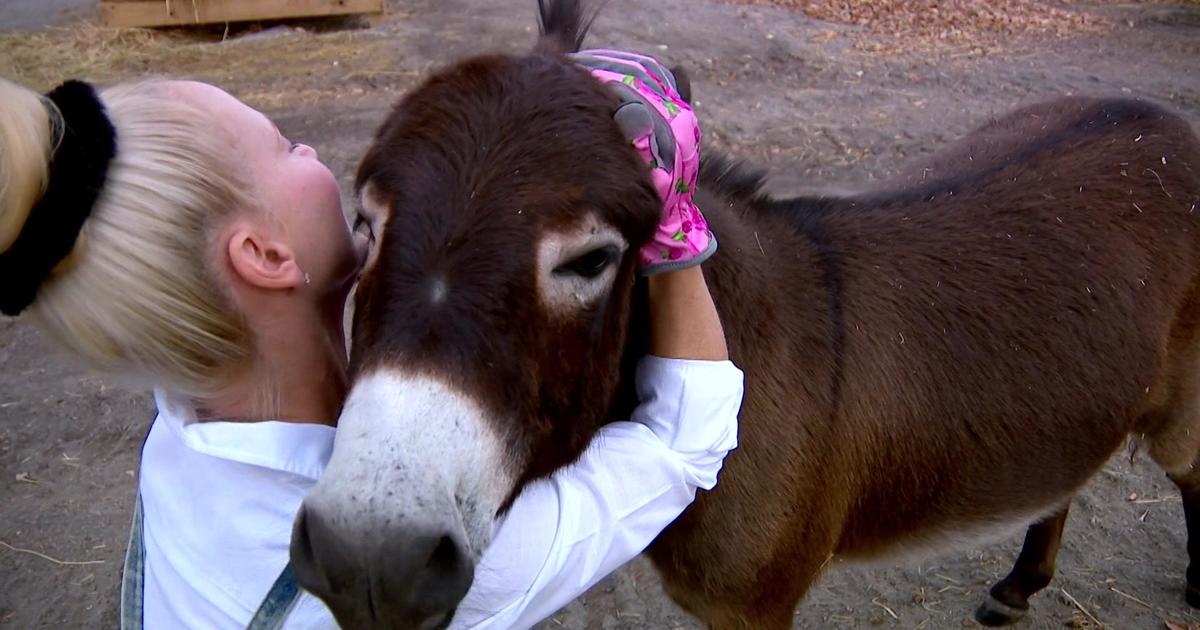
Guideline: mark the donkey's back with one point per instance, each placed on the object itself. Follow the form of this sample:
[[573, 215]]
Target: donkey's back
[[951, 353]]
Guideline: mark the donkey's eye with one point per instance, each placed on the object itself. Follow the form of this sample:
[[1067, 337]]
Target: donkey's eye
[[590, 264]]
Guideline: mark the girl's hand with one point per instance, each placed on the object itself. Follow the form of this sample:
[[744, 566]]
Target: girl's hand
[[663, 128]]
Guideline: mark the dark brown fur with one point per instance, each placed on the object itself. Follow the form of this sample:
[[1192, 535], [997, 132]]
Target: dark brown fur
[[963, 346], [480, 159], [944, 353]]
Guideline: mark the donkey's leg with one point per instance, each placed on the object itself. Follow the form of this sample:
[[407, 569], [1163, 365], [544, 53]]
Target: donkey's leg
[[1008, 600], [1189, 489], [1173, 438]]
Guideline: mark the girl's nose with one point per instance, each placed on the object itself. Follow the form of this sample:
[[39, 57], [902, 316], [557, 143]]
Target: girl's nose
[[307, 151]]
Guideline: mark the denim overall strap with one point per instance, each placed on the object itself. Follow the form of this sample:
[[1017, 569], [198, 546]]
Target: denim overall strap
[[279, 602], [133, 576], [271, 615]]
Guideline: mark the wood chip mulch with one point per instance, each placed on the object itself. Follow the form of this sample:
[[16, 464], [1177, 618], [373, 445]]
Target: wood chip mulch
[[978, 25]]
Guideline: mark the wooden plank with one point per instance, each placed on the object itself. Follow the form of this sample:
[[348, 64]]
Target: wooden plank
[[123, 13]]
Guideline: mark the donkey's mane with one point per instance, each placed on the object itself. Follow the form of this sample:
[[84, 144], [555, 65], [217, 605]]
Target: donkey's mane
[[743, 186], [734, 180]]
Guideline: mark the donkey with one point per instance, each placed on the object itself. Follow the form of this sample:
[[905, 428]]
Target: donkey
[[929, 363]]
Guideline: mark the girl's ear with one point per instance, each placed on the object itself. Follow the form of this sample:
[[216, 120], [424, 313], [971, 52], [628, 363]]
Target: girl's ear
[[262, 262]]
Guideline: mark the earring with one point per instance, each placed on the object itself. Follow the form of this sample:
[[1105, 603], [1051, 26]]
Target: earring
[[307, 279]]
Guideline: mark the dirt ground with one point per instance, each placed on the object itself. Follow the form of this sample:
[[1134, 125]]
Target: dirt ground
[[25, 15], [773, 86]]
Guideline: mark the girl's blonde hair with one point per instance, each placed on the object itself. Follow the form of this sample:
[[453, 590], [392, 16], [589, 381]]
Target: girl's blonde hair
[[138, 298]]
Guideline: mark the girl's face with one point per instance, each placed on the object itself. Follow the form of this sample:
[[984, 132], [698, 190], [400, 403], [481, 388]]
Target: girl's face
[[292, 186]]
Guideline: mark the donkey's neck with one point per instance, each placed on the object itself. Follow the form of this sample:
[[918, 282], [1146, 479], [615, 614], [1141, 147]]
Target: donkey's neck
[[777, 276]]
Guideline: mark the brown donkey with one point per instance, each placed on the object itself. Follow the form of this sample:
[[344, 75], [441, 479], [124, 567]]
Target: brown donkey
[[928, 363]]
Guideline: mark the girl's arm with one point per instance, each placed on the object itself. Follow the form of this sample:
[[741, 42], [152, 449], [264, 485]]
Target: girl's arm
[[565, 533], [683, 318]]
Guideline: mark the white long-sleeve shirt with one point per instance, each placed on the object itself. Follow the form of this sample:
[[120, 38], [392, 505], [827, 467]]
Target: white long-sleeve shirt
[[219, 499]]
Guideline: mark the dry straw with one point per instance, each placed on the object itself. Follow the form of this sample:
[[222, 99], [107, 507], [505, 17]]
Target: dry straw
[[288, 69]]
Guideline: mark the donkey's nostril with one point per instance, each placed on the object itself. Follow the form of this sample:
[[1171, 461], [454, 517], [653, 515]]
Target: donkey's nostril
[[450, 571], [445, 556], [441, 579]]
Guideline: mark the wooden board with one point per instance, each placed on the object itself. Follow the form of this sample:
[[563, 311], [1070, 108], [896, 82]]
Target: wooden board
[[176, 12]]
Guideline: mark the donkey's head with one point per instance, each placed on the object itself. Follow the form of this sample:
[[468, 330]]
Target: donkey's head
[[491, 322]]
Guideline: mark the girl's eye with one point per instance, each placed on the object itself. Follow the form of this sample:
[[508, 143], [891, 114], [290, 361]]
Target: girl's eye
[[295, 145]]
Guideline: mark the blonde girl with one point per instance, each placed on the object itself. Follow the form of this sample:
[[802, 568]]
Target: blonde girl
[[167, 235]]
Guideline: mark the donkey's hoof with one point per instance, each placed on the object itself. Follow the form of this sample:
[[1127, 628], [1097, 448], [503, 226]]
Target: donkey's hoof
[[1193, 596], [993, 612]]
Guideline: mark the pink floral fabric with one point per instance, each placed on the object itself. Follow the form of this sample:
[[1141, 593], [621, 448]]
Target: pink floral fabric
[[683, 238]]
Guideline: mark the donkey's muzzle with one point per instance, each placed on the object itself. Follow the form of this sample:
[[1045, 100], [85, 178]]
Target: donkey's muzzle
[[409, 577], [390, 534]]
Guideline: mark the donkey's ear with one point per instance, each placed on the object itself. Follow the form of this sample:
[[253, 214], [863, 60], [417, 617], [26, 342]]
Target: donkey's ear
[[563, 26], [683, 83]]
